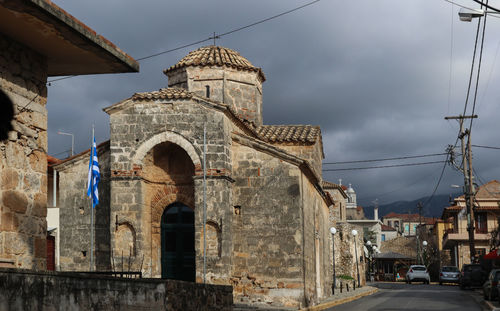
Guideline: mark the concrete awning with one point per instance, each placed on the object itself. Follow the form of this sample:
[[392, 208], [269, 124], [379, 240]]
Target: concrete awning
[[71, 47]]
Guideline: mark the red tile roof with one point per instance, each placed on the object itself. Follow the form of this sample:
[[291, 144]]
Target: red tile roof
[[216, 56], [387, 228], [289, 133]]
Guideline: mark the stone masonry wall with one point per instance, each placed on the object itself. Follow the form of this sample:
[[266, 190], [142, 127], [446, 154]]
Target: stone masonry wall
[[317, 257], [75, 208], [240, 90], [313, 153], [345, 260], [267, 231], [140, 127], [23, 158], [25, 290]]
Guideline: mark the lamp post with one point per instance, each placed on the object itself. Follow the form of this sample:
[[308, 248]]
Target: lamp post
[[424, 244], [333, 231], [72, 140], [355, 233], [370, 249]]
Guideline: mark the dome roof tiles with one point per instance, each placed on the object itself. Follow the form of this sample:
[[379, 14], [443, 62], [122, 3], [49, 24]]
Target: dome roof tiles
[[216, 56]]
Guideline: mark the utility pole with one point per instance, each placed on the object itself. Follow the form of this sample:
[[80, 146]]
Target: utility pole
[[417, 232], [469, 191]]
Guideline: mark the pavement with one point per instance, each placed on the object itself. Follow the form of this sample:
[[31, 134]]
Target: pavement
[[344, 297]]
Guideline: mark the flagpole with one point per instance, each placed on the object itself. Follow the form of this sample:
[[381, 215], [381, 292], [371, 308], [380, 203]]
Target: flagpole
[[204, 203], [92, 206]]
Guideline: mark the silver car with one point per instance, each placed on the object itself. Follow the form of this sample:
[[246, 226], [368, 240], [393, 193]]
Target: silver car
[[417, 273], [449, 274]]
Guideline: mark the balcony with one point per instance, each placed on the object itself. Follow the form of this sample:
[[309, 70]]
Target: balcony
[[451, 238]]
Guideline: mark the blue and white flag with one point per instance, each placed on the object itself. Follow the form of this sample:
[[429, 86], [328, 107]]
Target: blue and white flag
[[94, 176]]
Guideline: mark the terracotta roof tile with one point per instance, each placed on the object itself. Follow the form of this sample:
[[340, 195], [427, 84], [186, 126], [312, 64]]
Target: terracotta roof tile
[[387, 228], [167, 93], [289, 133], [216, 56]]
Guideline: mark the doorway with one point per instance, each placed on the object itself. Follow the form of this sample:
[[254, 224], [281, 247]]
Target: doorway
[[177, 243]]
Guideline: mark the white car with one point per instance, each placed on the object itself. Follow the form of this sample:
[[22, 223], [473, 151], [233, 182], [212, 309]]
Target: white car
[[417, 273]]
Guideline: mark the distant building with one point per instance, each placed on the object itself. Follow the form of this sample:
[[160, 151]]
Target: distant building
[[406, 224], [388, 233], [38, 40], [353, 211], [486, 213]]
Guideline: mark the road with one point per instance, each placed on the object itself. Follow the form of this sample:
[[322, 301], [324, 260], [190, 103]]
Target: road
[[416, 297]]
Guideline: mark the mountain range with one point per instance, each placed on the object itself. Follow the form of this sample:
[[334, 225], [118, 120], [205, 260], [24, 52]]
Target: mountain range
[[434, 208]]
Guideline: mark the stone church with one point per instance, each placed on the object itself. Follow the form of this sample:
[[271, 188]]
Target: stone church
[[267, 214]]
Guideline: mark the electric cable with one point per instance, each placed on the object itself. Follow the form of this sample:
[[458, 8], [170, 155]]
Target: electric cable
[[478, 73], [486, 147], [212, 37], [382, 166], [386, 159]]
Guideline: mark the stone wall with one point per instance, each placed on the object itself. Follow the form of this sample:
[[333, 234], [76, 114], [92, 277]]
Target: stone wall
[[25, 290], [23, 158], [74, 211], [240, 90], [345, 260], [267, 230], [139, 201], [313, 153]]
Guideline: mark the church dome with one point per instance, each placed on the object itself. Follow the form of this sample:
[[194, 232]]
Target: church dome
[[216, 56], [350, 190]]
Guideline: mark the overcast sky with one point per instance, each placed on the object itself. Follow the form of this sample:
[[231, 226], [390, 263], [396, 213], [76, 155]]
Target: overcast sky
[[375, 75]]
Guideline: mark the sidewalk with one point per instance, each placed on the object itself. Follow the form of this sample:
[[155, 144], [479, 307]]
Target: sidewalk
[[344, 297]]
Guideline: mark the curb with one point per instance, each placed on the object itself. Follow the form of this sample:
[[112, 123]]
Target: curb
[[491, 306], [330, 304]]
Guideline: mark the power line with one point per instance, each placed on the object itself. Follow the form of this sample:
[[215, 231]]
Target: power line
[[486, 147], [487, 6], [382, 166], [214, 36], [437, 185], [469, 8], [387, 159], [472, 66], [478, 72]]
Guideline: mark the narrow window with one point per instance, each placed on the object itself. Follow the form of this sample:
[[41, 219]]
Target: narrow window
[[207, 87]]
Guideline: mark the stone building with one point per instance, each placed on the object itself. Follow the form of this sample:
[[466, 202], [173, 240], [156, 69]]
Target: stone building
[[38, 40], [267, 215]]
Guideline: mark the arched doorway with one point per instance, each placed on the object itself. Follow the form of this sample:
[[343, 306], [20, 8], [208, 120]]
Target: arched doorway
[[177, 243]]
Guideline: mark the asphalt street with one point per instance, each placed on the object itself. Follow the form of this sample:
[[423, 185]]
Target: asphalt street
[[400, 296]]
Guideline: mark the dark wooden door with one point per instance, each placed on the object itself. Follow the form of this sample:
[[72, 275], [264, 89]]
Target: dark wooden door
[[177, 243], [51, 253]]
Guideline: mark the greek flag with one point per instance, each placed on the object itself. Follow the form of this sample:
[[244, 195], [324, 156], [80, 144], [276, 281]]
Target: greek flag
[[94, 176]]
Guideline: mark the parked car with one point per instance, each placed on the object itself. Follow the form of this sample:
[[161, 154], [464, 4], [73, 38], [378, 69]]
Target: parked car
[[449, 274], [490, 290], [472, 275], [417, 273]]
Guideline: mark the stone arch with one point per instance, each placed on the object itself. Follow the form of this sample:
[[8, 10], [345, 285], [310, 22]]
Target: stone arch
[[214, 239], [162, 137], [125, 240], [164, 198]]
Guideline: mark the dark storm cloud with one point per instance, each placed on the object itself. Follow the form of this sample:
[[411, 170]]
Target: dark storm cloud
[[375, 76]]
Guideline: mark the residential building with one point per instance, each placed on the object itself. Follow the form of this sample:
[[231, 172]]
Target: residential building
[[38, 40], [388, 233], [406, 224], [486, 213]]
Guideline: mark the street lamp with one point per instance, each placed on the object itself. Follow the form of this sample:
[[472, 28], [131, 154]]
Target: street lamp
[[72, 140], [355, 233], [424, 244], [371, 249], [333, 231], [466, 15]]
